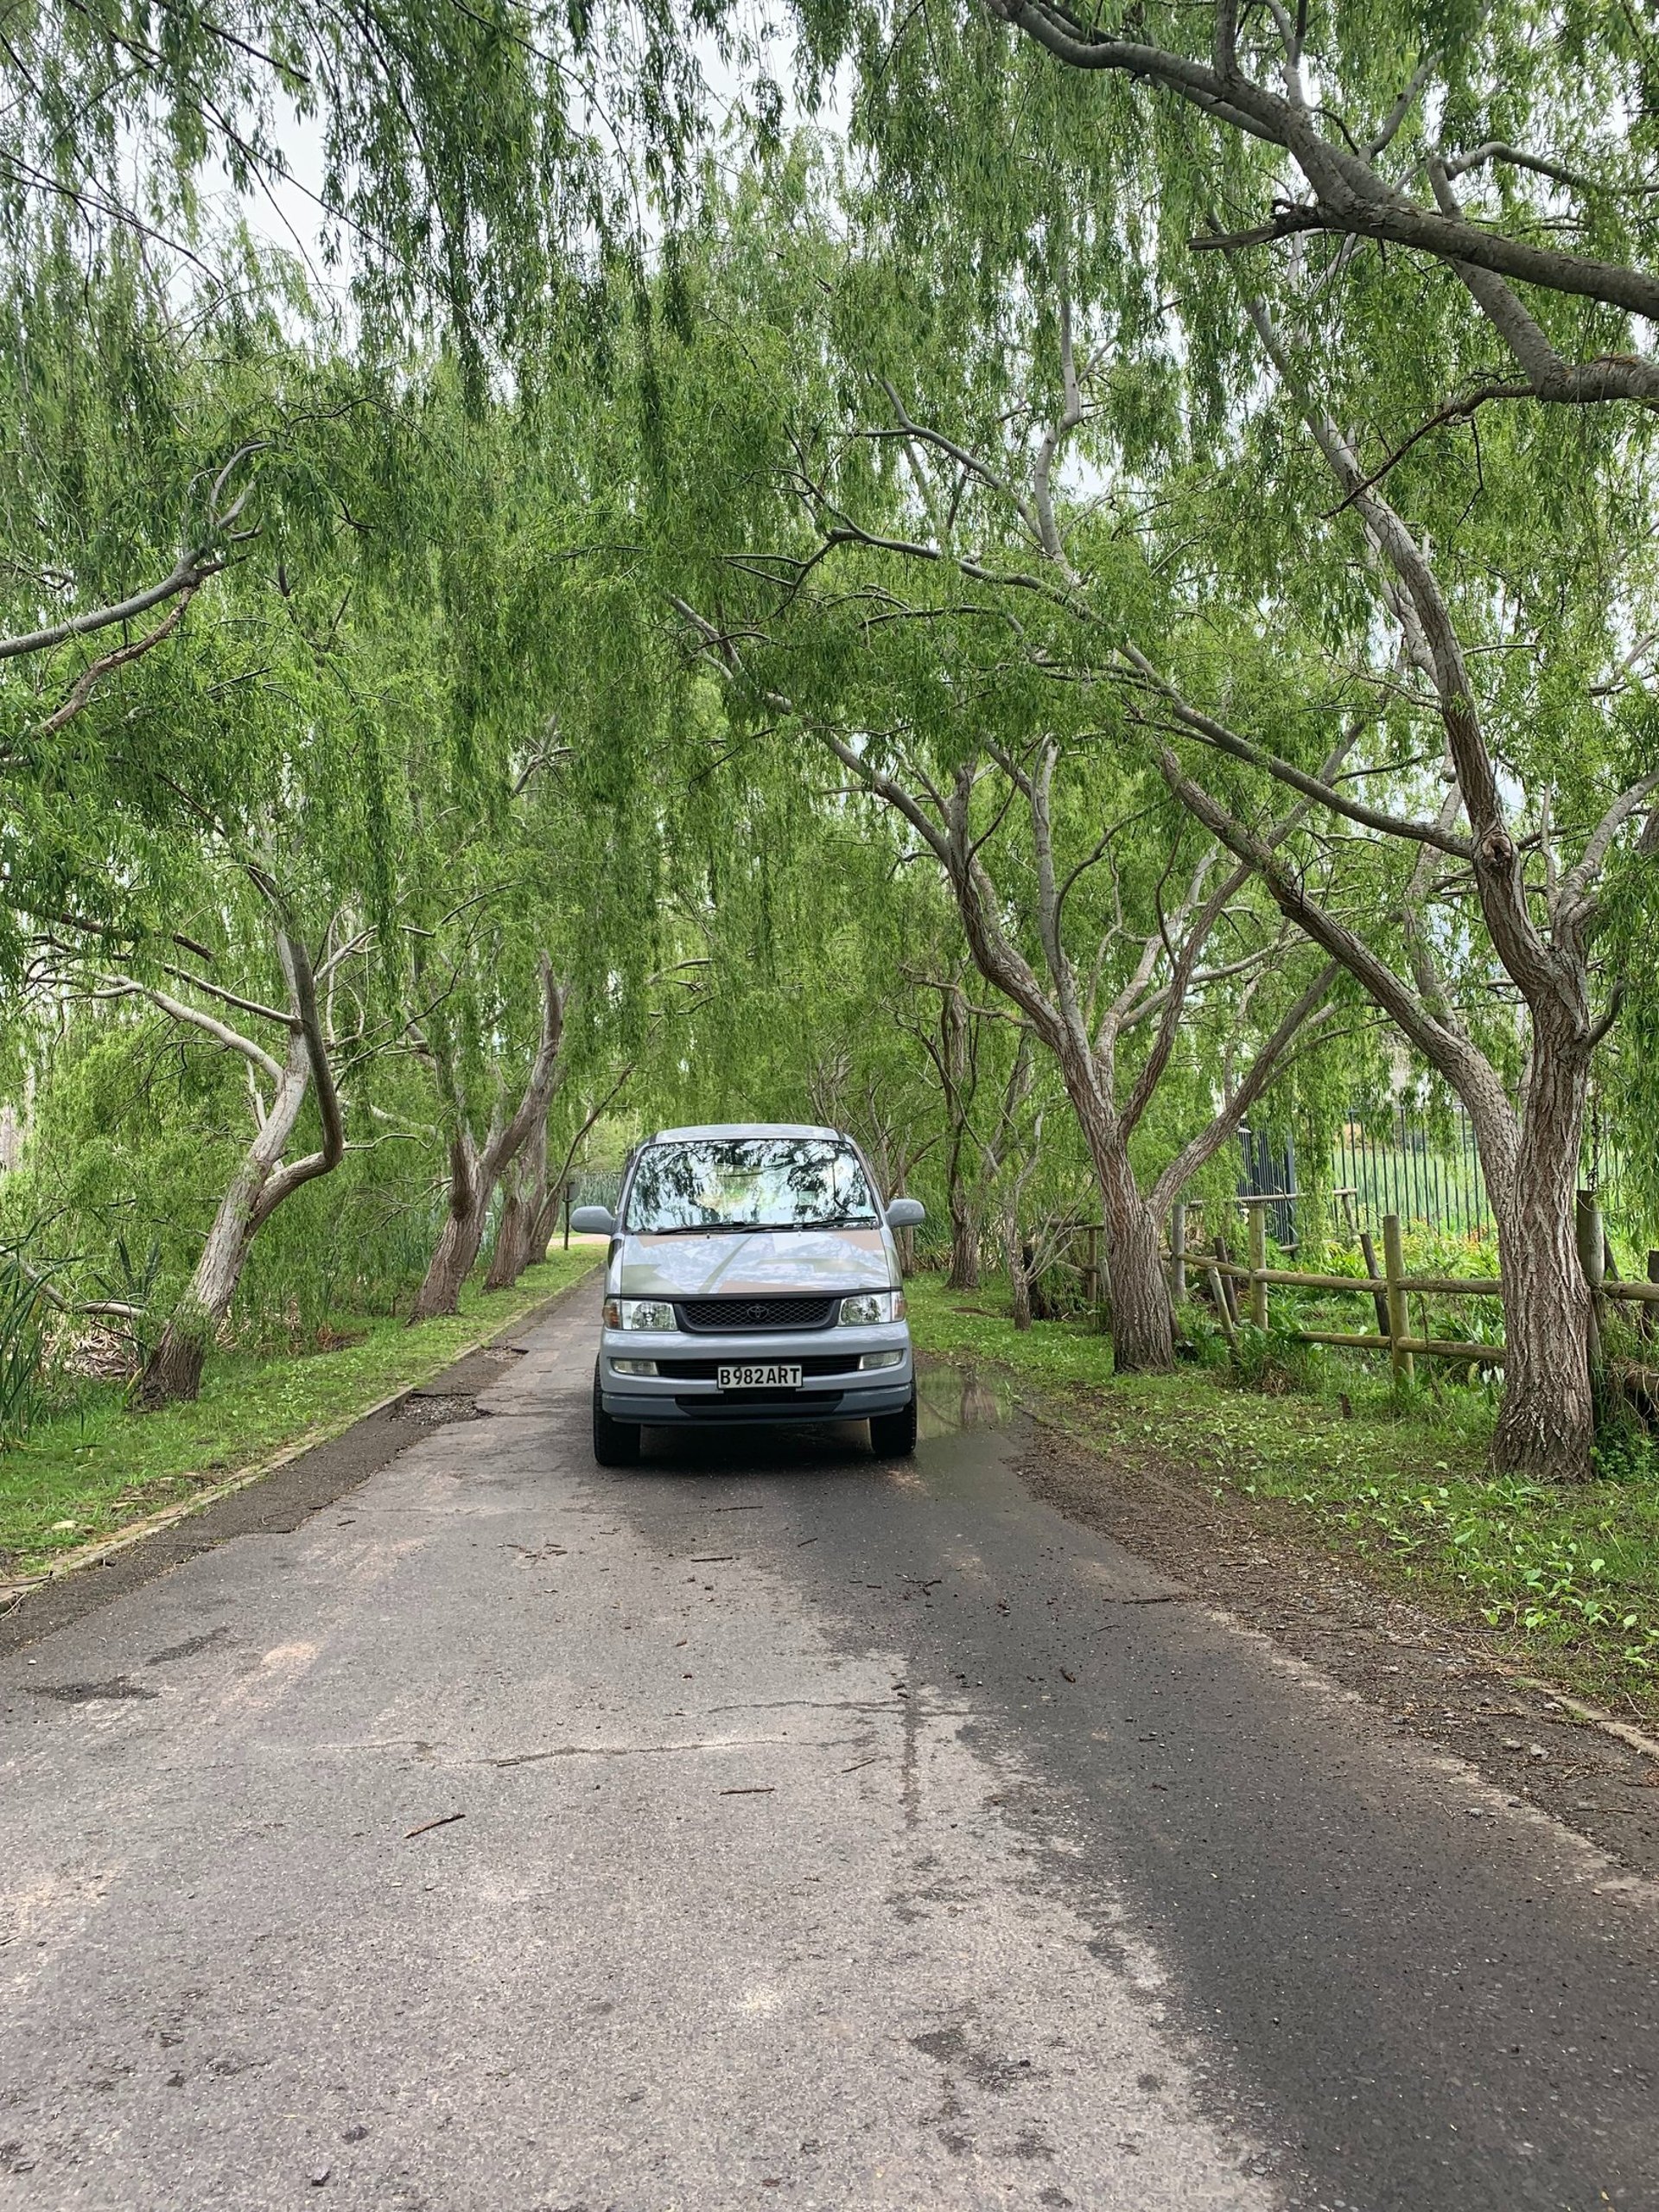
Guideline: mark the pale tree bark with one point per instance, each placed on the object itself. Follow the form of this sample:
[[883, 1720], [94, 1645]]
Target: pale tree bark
[[476, 1167], [524, 1191], [1018, 1271], [1529, 1146], [265, 1177], [1086, 1036], [1029, 1249], [223, 532], [957, 1060], [952, 1045]]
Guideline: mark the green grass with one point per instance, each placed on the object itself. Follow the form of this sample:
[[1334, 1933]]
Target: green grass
[[1568, 1574], [85, 1472]]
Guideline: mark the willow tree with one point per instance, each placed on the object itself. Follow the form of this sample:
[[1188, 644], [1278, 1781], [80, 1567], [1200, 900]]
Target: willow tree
[[213, 842], [1330, 486], [467, 156], [913, 599], [269, 1170], [1508, 153]]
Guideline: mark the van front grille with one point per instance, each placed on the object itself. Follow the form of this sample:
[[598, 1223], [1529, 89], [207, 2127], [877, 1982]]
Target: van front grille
[[710, 1316]]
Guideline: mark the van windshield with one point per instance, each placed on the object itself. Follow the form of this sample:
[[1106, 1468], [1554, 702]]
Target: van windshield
[[749, 1183]]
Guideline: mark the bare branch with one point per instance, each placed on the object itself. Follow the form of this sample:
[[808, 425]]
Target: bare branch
[[124, 987], [91, 677], [1222, 740], [1577, 902], [189, 573]]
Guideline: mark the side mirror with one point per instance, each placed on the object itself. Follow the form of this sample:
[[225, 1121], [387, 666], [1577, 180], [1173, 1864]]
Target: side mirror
[[593, 1221], [905, 1213]]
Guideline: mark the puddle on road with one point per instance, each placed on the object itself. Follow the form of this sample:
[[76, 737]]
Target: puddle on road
[[957, 1400]]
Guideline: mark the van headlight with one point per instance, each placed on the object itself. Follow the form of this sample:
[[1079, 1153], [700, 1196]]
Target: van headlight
[[639, 1314], [871, 1306]]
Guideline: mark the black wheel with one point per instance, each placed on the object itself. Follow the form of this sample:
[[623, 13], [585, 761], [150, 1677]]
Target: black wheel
[[616, 1443], [893, 1436]]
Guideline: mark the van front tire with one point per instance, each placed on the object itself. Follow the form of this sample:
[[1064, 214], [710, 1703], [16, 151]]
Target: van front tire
[[616, 1443], [893, 1436]]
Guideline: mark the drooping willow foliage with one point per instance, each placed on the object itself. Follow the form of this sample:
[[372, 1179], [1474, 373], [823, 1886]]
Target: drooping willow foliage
[[1113, 598]]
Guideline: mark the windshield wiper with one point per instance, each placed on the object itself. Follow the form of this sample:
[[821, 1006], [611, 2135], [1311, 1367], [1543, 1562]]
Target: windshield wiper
[[829, 1221], [688, 1228], [756, 1228]]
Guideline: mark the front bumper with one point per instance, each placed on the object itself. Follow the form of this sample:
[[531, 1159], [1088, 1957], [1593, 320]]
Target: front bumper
[[683, 1395]]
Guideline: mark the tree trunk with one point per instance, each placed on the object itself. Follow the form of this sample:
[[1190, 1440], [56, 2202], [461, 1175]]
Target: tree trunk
[[461, 1235], [1545, 1424], [509, 1253], [1142, 1326], [474, 1170], [964, 1221], [515, 1233], [173, 1369], [545, 1226], [964, 1250], [1143, 1330], [1018, 1276]]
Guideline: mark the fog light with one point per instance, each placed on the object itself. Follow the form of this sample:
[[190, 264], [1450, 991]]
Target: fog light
[[634, 1367], [882, 1359]]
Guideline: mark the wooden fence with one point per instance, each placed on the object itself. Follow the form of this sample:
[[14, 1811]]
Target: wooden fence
[[1388, 1287]]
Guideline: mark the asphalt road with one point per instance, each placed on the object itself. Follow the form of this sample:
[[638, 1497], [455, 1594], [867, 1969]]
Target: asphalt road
[[831, 1834]]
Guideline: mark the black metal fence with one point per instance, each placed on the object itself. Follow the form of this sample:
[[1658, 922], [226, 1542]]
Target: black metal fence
[[1429, 1176], [1428, 1172]]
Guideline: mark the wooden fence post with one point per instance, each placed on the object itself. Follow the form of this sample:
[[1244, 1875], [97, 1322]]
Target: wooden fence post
[[1258, 1263], [1369, 1250], [1646, 1309], [1218, 1289], [1224, 1285], [1178, 1253], [1092, 1269], [1394, 1266]]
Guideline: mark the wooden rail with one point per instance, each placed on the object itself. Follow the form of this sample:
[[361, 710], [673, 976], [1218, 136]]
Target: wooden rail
[[1388, 1287]]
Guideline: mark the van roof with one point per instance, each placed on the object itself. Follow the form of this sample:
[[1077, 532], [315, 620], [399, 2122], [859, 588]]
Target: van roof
[[714, 1129]]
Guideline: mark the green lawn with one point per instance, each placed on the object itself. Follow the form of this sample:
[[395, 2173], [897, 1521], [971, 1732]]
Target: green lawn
[[1572, 1572], [85, 1474]]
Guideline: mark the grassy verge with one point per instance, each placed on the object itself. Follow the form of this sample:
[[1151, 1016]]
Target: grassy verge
[[1569, 1574], [87, 1472]]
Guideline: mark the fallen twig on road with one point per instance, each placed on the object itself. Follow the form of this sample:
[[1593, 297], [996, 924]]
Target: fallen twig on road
[[442, 1821]]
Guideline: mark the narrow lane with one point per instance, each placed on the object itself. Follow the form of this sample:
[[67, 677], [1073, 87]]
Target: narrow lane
[[831, 1833]]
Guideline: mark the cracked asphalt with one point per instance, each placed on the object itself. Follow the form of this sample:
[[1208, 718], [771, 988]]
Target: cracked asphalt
[[769, 1825]]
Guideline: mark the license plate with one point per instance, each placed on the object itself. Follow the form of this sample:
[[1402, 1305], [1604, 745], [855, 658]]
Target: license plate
[[755, 1377]]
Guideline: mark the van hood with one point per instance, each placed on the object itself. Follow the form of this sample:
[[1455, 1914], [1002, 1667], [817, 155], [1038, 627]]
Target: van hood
[[734, 1263]]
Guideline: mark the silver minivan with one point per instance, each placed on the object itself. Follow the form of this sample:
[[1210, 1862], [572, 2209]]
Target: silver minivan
[[752, 1277]]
